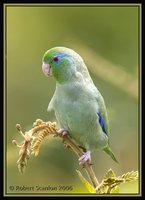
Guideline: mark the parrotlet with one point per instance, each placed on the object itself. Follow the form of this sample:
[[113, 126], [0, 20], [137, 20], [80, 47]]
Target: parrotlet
[[77, 103]]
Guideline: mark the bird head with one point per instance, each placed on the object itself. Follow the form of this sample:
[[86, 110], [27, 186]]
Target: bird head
[[61, 63]]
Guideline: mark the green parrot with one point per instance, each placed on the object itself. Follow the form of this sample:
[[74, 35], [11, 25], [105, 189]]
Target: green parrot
[[78, 105]]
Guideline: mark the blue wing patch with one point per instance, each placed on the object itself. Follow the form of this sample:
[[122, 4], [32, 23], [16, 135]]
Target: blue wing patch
[[101, 121]]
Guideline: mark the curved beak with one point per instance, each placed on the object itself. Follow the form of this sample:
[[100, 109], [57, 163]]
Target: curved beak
[[46, 69]]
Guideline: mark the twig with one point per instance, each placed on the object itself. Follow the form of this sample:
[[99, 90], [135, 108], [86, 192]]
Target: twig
[[47, 128], [87, 166]]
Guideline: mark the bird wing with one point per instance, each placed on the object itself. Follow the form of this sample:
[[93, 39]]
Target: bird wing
[[51, 103], [102, 113], [102, 123]]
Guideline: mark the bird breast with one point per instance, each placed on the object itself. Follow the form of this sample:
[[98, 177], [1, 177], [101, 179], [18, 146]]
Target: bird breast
[[76, 107]]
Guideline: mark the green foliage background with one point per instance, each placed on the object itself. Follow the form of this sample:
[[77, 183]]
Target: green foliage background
[[109, 31]]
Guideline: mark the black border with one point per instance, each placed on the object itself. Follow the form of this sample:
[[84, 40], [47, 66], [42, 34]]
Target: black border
[[51, 4]]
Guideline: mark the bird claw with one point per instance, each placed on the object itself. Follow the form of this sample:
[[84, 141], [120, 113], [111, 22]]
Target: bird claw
[[86, 157], [62, 132]]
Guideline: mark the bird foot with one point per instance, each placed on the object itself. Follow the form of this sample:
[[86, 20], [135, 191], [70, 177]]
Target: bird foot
[[86, 157], [62, 132]]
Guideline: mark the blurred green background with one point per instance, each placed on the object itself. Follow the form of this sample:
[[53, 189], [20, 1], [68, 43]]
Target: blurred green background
[[107, 39]]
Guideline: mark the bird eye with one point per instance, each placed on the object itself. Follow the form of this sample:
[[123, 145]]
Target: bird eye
[[56, 59]]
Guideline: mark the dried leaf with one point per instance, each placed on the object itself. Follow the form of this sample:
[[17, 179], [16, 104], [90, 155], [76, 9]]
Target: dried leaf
[[38, 141], [49, 129], [24, 155]]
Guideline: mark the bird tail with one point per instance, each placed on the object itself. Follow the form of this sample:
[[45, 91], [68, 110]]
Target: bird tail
[[110, 153]]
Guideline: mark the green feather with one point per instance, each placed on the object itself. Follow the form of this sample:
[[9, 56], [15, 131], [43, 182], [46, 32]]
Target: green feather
[[110, 153]]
